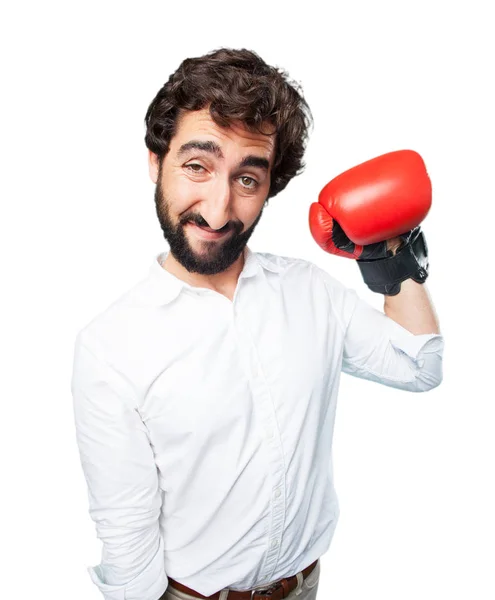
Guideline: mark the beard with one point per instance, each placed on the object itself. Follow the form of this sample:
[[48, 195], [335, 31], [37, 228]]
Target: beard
[[217, 255]]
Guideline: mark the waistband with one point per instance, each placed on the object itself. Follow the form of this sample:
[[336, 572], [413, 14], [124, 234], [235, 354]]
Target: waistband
[[278, 590]]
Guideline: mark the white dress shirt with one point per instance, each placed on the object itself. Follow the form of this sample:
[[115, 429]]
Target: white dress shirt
[[205, 426]]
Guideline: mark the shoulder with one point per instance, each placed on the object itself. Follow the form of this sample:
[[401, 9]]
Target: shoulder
[[299, 266], [305, 272], [281, 263], [110, 332], [342, 298]]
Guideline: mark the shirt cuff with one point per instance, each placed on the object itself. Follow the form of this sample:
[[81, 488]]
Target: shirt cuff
[[424, 343], [150, 584]]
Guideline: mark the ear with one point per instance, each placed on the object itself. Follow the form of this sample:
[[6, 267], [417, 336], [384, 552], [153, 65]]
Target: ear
[[153, 166]]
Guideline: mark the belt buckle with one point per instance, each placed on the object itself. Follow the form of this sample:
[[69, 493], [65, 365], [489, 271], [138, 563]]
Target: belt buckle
[[265, 593]]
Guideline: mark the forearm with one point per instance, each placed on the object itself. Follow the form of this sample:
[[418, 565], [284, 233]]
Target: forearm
[[412, 308]]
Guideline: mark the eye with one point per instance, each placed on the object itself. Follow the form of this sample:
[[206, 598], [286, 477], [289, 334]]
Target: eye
[[253, 185], [194, 170]]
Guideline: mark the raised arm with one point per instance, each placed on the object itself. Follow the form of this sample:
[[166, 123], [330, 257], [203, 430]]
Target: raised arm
[[378, 348]]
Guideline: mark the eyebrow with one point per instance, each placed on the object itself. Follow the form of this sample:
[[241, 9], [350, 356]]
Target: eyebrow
[[213, 148]]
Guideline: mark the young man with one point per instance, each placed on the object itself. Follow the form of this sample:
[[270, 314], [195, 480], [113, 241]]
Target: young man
[[205, 396]]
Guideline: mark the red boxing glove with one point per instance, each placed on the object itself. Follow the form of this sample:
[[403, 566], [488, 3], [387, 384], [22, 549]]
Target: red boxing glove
[[380, 199]]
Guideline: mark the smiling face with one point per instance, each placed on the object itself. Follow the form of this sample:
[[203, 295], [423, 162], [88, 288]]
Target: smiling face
[[210, 190]]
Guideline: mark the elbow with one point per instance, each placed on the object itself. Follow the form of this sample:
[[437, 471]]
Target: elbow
[[429, 366], [425, 382]]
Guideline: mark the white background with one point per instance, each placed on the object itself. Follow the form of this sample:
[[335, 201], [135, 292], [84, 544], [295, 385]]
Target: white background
[[414, 472]]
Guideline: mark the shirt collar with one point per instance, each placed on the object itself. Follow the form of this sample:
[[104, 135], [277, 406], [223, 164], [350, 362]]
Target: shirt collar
[[162, 286]]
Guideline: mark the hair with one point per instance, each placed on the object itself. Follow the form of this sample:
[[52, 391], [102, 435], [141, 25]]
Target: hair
[[236, 85]]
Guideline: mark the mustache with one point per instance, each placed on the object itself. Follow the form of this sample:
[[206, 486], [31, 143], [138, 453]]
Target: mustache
[[198, 220]]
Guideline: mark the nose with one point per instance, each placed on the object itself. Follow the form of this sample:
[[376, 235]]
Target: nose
[[216, 207]]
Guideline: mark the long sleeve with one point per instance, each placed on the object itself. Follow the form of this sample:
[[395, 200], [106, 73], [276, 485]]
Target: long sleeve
[[379, 349], [122, 480]]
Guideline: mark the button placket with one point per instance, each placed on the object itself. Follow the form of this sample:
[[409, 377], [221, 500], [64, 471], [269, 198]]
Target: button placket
[[267, 418]]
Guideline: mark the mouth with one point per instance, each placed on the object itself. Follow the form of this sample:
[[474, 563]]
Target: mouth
[[206, 233]]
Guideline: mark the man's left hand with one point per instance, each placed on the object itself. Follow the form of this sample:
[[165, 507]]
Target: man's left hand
[[371, 213]]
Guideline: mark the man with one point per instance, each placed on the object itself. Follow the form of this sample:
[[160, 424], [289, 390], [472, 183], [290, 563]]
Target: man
[[205, 396]]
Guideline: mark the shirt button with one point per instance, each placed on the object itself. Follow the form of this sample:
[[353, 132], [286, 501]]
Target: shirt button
[[274, 543], [277, 493], [269, 434]]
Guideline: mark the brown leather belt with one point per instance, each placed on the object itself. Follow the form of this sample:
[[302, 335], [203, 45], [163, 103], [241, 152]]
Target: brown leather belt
[[280, 589]]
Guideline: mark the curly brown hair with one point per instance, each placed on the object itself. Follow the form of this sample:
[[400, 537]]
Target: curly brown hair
[[236, 85]]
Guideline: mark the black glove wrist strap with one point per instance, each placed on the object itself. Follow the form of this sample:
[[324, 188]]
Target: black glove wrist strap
[[385, 275]]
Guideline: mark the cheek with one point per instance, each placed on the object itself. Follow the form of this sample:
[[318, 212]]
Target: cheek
[[248, 214], [253, 211], [180, 192]]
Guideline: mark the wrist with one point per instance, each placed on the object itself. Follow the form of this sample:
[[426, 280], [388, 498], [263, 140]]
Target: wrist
[[393, 244], [409, 260]]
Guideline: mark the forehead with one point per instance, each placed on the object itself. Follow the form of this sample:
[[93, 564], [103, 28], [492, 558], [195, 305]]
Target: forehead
[[198, 124]]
